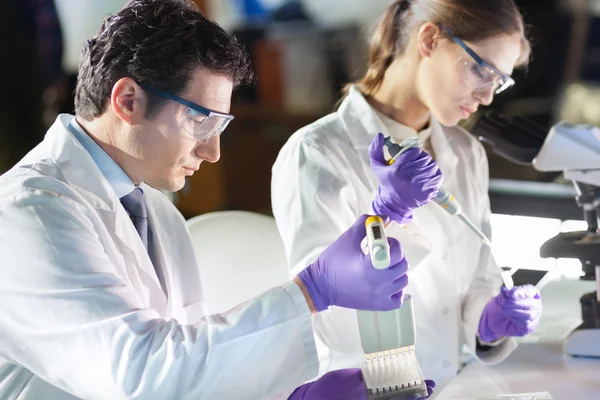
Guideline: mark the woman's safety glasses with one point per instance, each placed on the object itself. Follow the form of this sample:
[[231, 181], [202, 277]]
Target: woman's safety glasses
[[476, 73], [200, 122]]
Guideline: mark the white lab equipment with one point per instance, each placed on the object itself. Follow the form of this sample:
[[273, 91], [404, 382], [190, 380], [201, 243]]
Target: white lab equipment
[[575, 150], [377, 245], [322, 181], [411, 237], [391, 369], [240, 253]]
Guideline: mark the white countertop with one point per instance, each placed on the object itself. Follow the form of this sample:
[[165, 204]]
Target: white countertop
[[538, 364]]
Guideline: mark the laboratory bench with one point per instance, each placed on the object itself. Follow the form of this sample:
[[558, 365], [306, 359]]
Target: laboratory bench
[[538, 364]]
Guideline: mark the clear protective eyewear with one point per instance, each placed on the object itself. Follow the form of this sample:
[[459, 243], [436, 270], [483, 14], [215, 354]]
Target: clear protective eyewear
[[200, 122], [476, 73]]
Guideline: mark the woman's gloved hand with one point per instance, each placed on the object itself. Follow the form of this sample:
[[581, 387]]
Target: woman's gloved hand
[[411, 182], [514, 312]]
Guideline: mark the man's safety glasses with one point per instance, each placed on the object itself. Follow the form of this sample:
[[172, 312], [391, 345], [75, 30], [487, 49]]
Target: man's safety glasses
[[476, 73], [200, 122]]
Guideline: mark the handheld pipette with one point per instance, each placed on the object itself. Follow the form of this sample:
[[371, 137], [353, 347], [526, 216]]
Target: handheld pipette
[[391, 369], [378, 246], [444, 198]]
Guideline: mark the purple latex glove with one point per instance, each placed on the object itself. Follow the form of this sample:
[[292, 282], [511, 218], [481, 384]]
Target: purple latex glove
[[514, 312], [335, 385], [430, 386], [411, 182], [343, 275]]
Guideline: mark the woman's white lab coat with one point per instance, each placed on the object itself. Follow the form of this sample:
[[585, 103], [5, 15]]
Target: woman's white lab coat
[[83, 314], [322, 181]]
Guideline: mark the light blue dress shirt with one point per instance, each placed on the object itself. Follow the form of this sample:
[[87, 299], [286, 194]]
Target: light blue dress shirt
[[116, 177], [120, 182]]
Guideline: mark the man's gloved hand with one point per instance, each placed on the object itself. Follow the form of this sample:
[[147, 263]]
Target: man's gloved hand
[[411, 182], [344, 384], [430, 386], [343, 275], [514, 312]]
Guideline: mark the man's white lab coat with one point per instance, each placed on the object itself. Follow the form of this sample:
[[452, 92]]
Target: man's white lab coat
[[83, 315], [322, 181]]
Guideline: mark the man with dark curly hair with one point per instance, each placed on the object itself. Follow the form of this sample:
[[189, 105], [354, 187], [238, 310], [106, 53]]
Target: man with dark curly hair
[[100, 295]]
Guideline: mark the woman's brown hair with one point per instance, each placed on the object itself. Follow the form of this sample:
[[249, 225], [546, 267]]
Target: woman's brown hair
[[471, 20]]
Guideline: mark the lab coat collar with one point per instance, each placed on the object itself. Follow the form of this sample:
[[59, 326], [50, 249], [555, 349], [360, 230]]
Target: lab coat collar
[[161, 241], [81, 173], [399, 132], [360, 120], [362, 124], [442, 149], [78, 167], [121, 184]]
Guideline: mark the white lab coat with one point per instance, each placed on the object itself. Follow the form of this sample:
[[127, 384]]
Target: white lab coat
[[322, 181], [82, 311]]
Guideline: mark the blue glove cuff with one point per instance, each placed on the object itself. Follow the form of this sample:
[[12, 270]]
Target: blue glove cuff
[[319, 300], [486, 331], [398, 215]]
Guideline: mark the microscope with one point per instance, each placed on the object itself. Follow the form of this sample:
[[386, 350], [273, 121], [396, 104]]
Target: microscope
[[574, 150]]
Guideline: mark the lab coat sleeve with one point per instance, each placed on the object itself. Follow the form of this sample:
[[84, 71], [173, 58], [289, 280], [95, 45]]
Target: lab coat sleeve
[[313, 205], [486, 283], [69, 318]]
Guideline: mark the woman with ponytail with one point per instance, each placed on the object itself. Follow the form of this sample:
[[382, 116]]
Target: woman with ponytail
[[432, 63]]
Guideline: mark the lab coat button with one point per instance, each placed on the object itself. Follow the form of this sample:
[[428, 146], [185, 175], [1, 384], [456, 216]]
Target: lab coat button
[[446, 364], [445, 256], [445, 311]]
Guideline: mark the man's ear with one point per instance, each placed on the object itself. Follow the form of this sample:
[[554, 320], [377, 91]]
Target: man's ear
[[428, 38], [128, 101]]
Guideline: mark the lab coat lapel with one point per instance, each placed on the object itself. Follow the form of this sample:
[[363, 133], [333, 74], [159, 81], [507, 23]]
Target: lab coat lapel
[[443, 152], [78, 167], [137, 259], [361, 123], [81, 173], [161, 243]]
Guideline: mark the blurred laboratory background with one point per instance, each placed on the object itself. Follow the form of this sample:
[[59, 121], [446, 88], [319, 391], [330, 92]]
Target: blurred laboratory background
[[303, 53]]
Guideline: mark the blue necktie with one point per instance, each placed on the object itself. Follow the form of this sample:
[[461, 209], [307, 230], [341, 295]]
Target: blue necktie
[[136, 208]]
